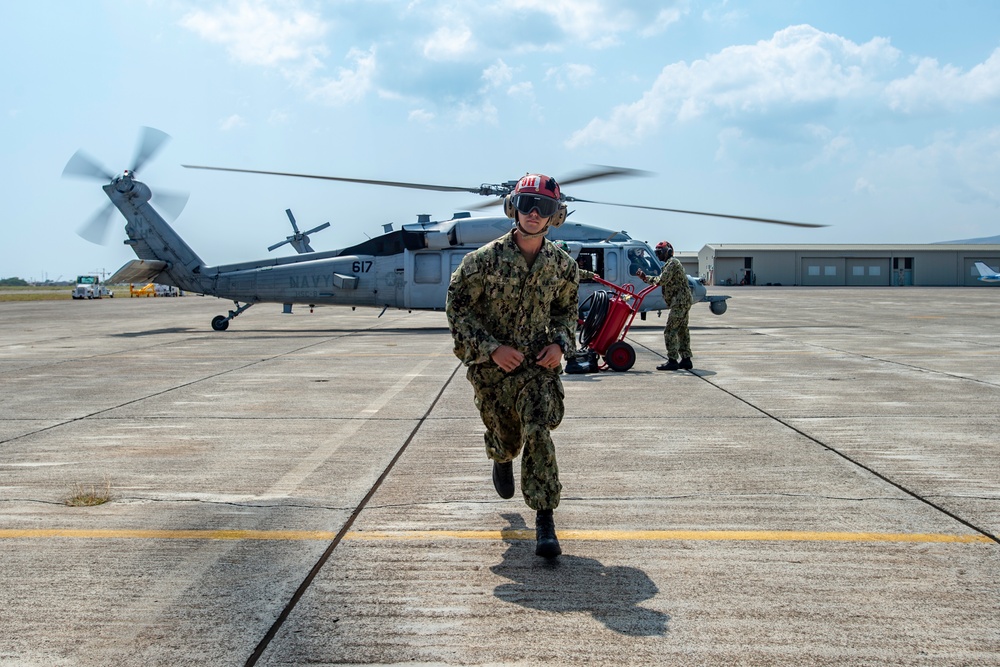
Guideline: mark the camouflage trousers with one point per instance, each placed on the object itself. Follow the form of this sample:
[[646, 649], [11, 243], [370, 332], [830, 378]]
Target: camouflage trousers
[[519, 409], [676, 336]]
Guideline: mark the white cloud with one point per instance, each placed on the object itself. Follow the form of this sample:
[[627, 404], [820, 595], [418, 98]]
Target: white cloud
[[663, 20], [471, 115], [599, 24], [349, 85], [280, 34], [864, 186], [421, 116], [255, 34], [497, 75], [523, 90], [570, 75], [932, 86], [278, 117], [721, 13], [964, 168], [449, 43], [799, 67], [590, 21], [232, 123]]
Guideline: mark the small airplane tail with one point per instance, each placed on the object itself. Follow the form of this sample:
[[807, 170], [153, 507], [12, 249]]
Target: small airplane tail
[[986, 274]]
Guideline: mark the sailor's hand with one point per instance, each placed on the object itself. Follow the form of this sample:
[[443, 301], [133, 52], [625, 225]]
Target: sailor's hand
[[507, 358], [550, 356], [641, 274]]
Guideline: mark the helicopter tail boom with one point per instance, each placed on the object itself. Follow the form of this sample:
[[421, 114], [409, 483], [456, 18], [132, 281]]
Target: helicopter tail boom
[[154, 241]]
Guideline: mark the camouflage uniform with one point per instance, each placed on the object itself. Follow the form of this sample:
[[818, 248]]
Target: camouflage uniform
[[496, 299], [677, 295], [584, 273]]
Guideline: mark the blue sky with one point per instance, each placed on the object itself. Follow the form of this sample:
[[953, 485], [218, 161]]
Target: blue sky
[[878, 118]]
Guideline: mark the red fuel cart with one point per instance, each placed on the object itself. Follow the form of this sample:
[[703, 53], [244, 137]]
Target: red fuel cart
[[608, 319]]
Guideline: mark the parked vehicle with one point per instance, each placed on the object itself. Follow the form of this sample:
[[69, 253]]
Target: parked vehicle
[[90, 287]]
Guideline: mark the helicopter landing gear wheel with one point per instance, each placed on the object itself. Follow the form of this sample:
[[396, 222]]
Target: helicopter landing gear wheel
[[717, 307], [620, 356], [221, 322]]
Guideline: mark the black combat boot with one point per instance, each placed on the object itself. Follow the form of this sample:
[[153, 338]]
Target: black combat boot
[[685, 364], [546, 544], [671, 365], [503, 478]]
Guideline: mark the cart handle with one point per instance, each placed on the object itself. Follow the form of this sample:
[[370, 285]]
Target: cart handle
[[627, 291]]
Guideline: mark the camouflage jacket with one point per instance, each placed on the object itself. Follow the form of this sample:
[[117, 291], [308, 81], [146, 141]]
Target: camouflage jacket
[[494, 299], [584, 273], [673, 280]]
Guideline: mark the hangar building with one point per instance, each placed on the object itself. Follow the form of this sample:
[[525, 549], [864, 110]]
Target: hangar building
[[942, 264]]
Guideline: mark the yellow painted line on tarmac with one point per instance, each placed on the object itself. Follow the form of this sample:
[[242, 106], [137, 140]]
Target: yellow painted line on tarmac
[[520, 534], [107, 534]]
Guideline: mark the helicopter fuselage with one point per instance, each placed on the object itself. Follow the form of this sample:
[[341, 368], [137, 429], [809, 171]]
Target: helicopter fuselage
[[408, 268]]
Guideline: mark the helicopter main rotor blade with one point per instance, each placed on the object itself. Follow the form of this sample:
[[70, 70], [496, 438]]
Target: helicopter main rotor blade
[[316, 229], [484, 205], [602, 171], [393, 184], [82, 165], [291, 219], [592, 174], [95, 229], [714, 215], [151, 141]]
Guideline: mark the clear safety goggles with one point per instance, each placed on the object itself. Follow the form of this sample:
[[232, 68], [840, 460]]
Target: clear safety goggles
[[546, 206]]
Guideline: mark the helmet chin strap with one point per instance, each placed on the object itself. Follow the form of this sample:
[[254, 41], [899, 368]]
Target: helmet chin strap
[[525, 233]]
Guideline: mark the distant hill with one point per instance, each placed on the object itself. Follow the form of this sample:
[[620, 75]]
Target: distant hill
[[982, 241]]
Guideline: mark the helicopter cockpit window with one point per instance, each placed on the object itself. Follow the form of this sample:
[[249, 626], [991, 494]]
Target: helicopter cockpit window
[[427, 268], [640, 258]]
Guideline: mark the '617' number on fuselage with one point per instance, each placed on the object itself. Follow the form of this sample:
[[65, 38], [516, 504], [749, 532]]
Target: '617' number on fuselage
[[362, 266]]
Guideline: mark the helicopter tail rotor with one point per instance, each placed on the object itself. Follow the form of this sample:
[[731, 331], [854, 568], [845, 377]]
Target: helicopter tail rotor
[[82, 165], [150, 142], [95, 229], [170, 202]]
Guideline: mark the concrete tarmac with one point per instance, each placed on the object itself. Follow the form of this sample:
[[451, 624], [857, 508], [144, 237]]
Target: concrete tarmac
[[822, 489]]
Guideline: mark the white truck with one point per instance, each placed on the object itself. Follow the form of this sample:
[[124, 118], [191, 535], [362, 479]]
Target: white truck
[[90, 287], [166, 290]]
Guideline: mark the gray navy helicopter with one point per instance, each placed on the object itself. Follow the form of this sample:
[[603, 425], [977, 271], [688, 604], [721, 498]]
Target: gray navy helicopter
[[409, 268]]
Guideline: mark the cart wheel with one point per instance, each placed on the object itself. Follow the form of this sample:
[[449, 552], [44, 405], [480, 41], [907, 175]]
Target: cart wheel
[[620, 356]]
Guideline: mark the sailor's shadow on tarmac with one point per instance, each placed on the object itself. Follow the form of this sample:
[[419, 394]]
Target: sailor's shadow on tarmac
[[611, 594]]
